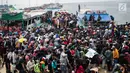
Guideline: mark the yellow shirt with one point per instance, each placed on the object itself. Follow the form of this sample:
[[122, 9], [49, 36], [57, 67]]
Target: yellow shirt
[[17, 44], [115, 54]]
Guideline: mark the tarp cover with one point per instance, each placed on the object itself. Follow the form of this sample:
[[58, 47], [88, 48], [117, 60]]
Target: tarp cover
[[7, 16], [104, 17], [90, 53]]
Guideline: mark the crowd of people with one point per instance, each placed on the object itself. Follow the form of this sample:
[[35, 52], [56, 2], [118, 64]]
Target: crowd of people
[[61, 47]]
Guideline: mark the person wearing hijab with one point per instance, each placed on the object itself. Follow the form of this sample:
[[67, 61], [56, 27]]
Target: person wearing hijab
[[80, 69]]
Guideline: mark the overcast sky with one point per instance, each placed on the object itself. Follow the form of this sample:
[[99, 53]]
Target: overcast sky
[[25, 3]]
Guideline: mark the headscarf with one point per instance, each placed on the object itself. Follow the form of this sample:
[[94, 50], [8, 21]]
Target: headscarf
[[80, 69]]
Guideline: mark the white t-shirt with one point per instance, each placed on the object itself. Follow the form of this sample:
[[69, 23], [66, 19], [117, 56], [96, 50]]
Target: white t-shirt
[[9, 55], [30, 65], [14, 56]]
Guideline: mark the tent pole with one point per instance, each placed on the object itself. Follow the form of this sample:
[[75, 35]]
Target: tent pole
[[8, 26], [22, 24], [27, 23], [31, 20]]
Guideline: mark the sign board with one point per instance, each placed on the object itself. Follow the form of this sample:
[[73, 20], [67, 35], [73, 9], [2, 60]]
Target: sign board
[[122, 7]]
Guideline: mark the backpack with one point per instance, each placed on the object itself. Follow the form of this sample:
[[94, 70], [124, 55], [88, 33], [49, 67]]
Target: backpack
[[36, 68], [108, 54], [54, 64], [17, 66]]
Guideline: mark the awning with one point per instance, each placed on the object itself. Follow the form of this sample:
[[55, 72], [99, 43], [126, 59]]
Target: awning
[[12, 16]]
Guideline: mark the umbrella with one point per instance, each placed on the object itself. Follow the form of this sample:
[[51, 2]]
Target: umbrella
[[90, 53], [21, 40]]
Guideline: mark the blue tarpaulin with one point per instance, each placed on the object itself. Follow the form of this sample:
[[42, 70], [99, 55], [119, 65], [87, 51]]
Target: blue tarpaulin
[[95, 16], [104, 17]]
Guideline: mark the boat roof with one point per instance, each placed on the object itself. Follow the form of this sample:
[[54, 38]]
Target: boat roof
[[82, 11], [33, 13], [90, 11]]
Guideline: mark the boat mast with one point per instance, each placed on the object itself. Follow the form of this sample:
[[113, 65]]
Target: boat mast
[[7, 4], [79, 8]]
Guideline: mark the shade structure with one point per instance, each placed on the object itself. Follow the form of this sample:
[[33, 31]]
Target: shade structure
[[12, 16], [104, 17]]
